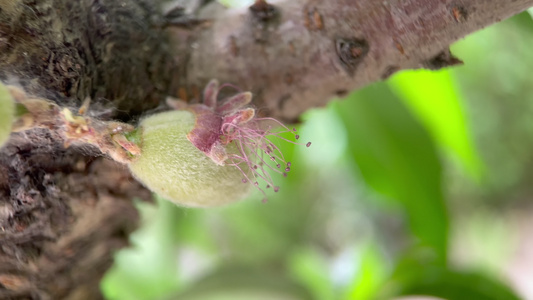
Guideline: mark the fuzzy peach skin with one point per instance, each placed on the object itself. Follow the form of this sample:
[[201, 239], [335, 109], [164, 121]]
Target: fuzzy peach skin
[[171, 166], [7, 112]]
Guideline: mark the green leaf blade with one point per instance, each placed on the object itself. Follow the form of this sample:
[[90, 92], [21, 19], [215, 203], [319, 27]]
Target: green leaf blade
[[396, 157], [435, 101]]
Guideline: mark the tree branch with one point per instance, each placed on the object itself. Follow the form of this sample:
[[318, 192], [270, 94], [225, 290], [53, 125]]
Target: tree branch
[[308, 51]]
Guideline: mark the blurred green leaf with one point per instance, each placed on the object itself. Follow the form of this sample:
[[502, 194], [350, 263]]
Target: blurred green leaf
[[238, 282], [435, 101], [236, 3], [148, 269], [417, 274], [397, 158], [498, 87], [371, 273], [460, 286], [447, 284], [530, 11], [309, 268]]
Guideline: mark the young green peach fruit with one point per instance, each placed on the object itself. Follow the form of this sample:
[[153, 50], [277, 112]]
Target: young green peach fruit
[[209, 153], [171, 166], [7, 112]]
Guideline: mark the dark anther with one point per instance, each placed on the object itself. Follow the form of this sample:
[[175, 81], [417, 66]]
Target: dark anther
[[351, 52], [263, 11]]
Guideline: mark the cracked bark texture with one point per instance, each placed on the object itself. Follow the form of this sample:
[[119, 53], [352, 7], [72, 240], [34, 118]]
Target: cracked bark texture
[[64, 211]]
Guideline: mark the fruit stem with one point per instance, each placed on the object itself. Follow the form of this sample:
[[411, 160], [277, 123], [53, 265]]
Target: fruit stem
[[76, 128]]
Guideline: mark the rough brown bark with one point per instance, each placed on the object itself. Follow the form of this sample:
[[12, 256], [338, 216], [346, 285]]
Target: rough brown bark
[[64, 211], [61, 216]]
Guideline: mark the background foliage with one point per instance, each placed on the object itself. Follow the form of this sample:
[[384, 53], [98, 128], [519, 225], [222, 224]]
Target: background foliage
[[417, 185]]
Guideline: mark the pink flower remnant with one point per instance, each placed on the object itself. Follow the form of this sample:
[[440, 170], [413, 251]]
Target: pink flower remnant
[[233, 121]]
